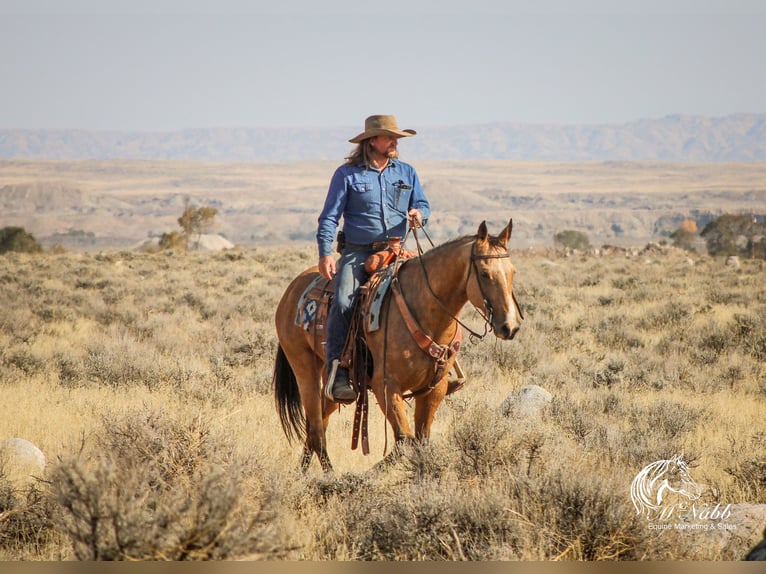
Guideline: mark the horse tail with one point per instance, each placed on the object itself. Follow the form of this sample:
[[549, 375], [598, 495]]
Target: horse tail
[[288, 399]]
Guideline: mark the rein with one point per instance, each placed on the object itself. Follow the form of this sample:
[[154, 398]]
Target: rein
[[440, 353], [474, 257]]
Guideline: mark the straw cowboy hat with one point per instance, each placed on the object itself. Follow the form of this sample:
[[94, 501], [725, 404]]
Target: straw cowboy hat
[[381, 125]]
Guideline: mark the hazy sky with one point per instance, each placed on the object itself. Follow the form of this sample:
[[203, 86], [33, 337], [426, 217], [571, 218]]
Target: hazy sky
[[173, 64]]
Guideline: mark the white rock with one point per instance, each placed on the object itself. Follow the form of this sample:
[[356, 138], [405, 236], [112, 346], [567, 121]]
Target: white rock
[[21, 461], [526, 402]]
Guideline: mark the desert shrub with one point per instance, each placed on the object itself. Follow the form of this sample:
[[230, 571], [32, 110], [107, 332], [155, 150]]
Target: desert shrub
[[172, 240], [610, 372], [748, 332], [426, 461], [573, 517], [666, 418], [483, 439], [157, 489], [122, 361], [575, 419], [708, 342], [423, 520], [671, 314], [750, 478], [26, 520], [19, 240], [615, 332], [25, 359]]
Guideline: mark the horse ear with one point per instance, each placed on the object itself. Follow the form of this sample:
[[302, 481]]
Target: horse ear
[[505, 234], [482, 234]]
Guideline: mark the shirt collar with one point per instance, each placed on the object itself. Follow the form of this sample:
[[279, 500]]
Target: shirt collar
[[392, 163]]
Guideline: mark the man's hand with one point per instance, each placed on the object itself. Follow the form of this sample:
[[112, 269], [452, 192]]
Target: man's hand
[[416, 218], [327, 267]]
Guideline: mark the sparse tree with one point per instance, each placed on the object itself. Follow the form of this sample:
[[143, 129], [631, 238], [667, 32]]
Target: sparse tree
[[572, 239], [732, 234], [683, 237], [172, 240], [195, 221], [19, 240]]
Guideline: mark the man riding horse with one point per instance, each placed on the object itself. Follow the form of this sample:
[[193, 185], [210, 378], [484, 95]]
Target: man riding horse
[[377, 195]]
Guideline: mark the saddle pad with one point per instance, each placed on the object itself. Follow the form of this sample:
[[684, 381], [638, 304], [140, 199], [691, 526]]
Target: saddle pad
[[311, 301]]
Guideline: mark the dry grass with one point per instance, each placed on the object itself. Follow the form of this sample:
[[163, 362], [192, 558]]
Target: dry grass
[[146, 379]]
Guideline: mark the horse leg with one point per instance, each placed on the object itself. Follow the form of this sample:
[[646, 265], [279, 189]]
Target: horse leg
[[328, 407], [317, 412], [392, 404], [425, 409]]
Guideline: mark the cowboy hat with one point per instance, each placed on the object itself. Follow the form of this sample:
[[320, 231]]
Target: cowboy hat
[[381, 125]]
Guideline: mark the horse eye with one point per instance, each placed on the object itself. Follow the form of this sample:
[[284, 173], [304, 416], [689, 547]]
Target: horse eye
[[484, 274]]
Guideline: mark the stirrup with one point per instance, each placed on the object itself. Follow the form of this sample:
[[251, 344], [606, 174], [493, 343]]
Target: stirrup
[[331, 380], [454, 385], [457, 382]]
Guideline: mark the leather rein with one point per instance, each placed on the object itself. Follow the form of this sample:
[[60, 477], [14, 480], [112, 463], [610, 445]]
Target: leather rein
[[487, 304], [442, 353]]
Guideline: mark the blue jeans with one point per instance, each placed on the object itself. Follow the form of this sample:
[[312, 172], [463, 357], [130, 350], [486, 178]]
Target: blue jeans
[[350, 276]]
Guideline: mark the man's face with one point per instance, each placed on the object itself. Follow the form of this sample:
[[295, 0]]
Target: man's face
[[384, 145]]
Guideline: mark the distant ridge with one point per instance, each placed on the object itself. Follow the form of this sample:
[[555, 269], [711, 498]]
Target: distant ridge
[[732, 138]]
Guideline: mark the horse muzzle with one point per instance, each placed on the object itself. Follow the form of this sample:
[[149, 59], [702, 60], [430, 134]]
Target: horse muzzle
[[506, 330]]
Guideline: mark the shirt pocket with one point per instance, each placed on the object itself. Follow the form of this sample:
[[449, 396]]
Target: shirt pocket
[[399, 198], [359, 186]]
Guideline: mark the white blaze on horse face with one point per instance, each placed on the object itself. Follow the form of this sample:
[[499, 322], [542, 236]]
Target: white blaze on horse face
[[511, 322], [495, 282]]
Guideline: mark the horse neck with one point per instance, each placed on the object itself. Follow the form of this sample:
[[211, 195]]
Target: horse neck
[[441, 274]]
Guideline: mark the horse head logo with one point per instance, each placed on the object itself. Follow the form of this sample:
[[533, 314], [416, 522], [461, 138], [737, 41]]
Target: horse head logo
[[661, 484]]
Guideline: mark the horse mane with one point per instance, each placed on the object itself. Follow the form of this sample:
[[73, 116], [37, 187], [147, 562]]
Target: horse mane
[[435, 251]]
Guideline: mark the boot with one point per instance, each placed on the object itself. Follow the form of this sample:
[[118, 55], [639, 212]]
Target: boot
[[338, 387]]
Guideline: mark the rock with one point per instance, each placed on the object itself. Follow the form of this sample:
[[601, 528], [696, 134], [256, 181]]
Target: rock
[[732, 537], [207, 242], [732, 261], [20, 461], [526, 402], [212, 243], [759, 551]]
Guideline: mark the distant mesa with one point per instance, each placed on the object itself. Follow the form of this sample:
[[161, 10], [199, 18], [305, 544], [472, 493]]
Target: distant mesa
[[731, 138]]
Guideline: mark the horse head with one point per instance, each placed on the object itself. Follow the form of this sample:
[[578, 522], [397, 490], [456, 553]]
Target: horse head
[[490, 285], [678, 480], [662, 479]]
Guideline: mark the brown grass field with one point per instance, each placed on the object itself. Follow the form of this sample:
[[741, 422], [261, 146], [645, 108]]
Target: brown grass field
[[146, 380]]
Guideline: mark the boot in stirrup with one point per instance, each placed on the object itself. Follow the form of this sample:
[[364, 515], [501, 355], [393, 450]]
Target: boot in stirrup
[[338, 387]]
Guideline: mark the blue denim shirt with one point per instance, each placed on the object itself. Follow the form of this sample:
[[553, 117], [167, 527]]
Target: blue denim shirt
[[374, 204]]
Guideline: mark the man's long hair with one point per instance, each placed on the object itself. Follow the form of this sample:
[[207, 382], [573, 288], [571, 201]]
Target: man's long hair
[[361, 154]]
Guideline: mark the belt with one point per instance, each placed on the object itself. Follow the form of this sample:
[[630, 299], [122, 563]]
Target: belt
[[376, 246]]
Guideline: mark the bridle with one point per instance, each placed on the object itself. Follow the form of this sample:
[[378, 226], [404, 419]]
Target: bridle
[[473, 267], [453, 348]]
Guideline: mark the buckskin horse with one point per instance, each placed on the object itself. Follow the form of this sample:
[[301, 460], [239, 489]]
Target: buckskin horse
[[414, 349]]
